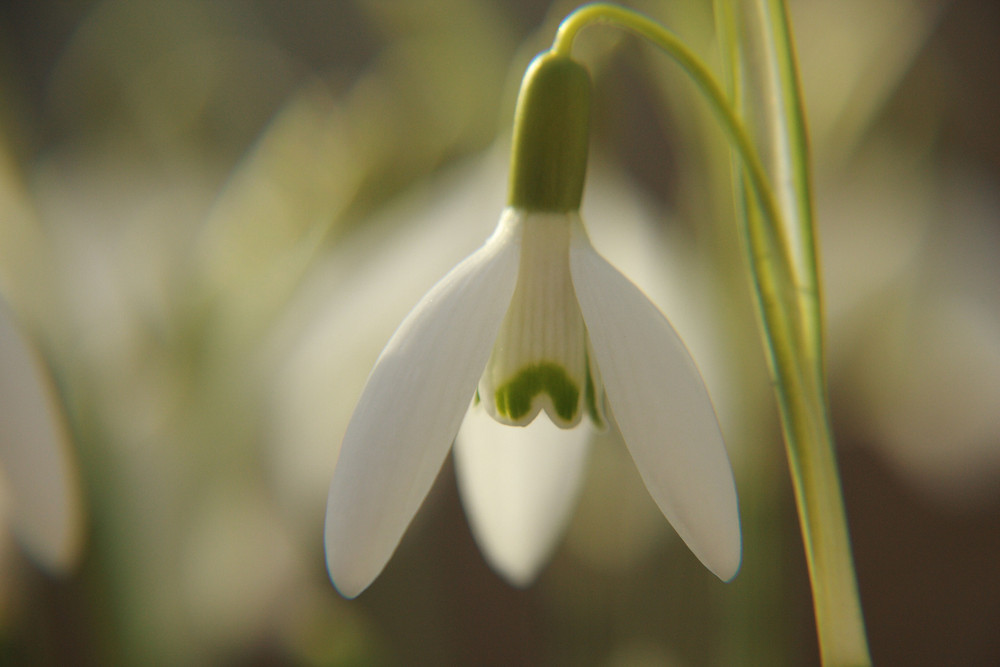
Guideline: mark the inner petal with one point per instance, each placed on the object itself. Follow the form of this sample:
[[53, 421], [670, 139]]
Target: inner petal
[[540, 359]]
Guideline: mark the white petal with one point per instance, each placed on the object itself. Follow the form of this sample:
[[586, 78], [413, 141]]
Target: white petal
[[411, 409], [662, 409], [37, 464], [518, 485]]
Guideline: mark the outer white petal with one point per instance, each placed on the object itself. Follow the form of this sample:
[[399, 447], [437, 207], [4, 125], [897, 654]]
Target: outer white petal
[[411, 409], [662, 409], [518, 485], [37, 465]]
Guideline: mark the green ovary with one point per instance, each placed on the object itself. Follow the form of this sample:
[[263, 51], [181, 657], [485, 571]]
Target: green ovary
[[514, 398]]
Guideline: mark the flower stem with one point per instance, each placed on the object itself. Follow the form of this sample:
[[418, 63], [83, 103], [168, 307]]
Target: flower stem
[[779, 236], [702, 78], [771, 88]]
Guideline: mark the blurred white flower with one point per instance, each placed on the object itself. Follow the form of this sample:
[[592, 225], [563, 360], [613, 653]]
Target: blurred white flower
[[40, 488], [556, 328], [915, 322], [909, 246]]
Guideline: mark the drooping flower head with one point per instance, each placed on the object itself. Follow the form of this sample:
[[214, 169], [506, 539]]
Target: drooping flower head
[[534, 321]]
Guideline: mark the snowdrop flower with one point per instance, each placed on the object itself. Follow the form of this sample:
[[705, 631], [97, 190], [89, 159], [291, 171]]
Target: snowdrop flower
[[534, 321]]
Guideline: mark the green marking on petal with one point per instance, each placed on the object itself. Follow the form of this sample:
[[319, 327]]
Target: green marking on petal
[[590, 397], [514, 398]]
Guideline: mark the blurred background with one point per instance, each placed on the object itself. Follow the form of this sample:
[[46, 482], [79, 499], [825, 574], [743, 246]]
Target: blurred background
[[213, 214]]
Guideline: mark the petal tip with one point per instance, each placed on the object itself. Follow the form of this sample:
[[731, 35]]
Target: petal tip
[[521, 581], [728, 567], [350, 589], [355, 554], [720, 549], [349, 575]]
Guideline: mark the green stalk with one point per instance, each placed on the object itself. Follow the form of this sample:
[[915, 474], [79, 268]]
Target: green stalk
[[778, 229], [794, 327], [705, 82]]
